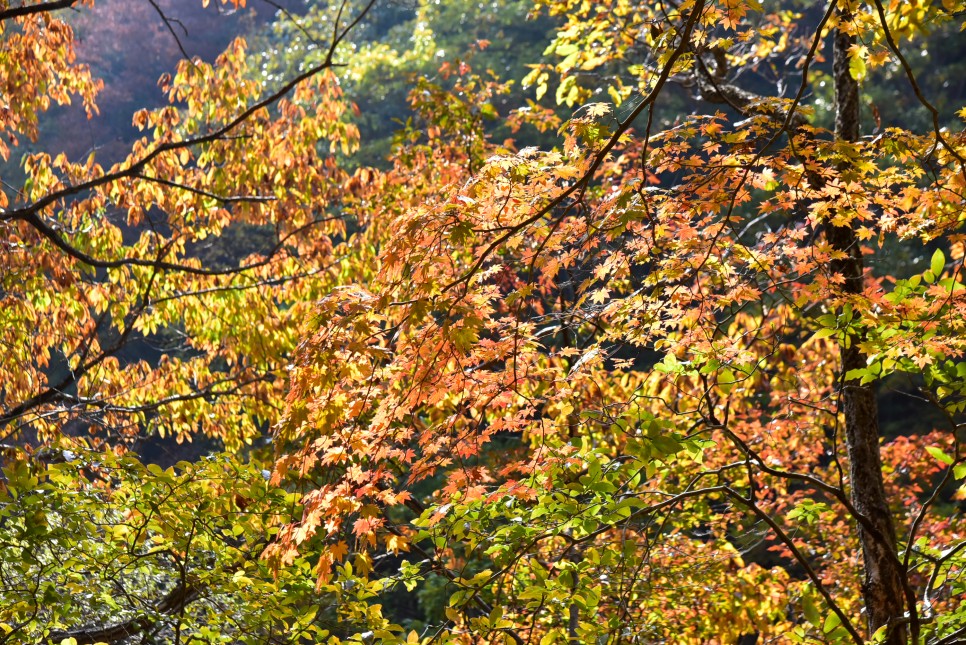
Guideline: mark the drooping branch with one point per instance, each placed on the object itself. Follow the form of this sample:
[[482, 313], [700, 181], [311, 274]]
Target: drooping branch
[[58, 240], [30, 214], [56, 392], [917, 90]]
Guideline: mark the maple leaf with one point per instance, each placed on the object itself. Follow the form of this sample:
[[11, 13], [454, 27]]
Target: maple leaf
[[338, 551], [597, 110], [599, 296]]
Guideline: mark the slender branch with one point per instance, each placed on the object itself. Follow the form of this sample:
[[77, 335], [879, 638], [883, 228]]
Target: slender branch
[[168, 23], [294, 20], [956, 638], [56, 392], [224, 199], [937, 128], [947, 477], [802, 560], [715, 90], [29, 10], [750, 504], [210, 391]]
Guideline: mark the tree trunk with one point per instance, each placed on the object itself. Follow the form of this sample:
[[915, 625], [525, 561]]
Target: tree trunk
[[883, 588]]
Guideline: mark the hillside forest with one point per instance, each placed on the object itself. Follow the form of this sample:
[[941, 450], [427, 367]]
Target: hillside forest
[[517, 322]]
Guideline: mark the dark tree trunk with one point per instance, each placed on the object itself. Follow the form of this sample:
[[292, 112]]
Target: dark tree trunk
[[883, 588]]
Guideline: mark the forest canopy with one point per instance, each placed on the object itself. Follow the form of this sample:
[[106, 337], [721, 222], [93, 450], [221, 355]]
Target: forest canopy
[[522, 321]]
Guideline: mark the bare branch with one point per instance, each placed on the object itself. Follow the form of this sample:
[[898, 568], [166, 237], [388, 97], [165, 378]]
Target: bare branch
[[169, 24], [29, 10]]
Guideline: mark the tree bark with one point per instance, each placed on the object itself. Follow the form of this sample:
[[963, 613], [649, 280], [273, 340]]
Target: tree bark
[[884, 584]]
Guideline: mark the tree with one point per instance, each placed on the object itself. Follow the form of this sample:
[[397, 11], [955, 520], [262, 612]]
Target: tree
[[625, 390], [117, 325], [620, 390], [403, 41]]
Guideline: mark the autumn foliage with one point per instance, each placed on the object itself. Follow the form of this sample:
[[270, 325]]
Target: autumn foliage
[[624, 388]]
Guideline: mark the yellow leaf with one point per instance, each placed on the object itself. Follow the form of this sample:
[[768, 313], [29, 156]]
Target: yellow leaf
[[397, 543], [600, 296]]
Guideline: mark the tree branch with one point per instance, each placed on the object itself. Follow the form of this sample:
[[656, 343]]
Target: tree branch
[[175, 600], [29, 10], [578, 186], [30, 214]]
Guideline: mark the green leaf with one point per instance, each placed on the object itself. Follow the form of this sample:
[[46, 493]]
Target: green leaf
[[937, 263], [939, 455], [831, 622], [811, 611], [726, 380], [823, 333]]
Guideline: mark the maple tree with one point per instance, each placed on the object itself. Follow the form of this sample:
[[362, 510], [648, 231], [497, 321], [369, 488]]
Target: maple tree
[[584, 383], [619, 390]]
